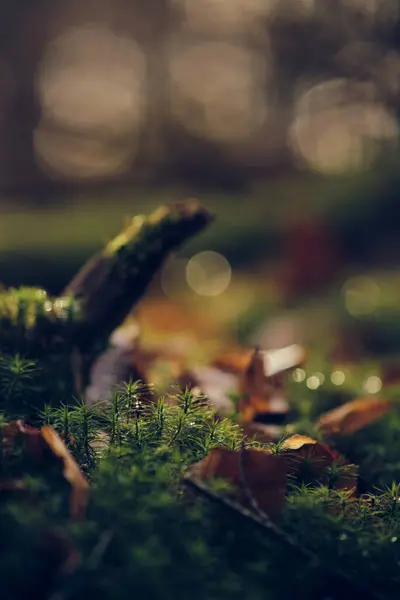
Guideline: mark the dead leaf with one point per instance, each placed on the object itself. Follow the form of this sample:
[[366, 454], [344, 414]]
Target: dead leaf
[[315, 461], [264, 476], [300, 448], [283, 359], [260, 394], [275, 361], [235, 362], [353, 415], [261, 378], [253, 398], [10, 431], [261, 433], [72, 473]]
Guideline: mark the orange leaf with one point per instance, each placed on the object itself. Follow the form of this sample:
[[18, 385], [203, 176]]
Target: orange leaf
[[234, 362], [72, 473], [260, 394], [262, 377], [264, 474], [275, 361], [353, 415], [295, 442]]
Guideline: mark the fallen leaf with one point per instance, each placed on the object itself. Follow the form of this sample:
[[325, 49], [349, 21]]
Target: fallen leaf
[[317, 463], [296, 441], [275, 361], [260, 394], [261, 433], [72, 473], [264, 476], [284, 359], [353, 415], [235, 362], [10, 431], [261, 378]]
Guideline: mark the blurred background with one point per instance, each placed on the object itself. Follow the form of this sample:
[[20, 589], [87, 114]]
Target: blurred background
[[282, 116]]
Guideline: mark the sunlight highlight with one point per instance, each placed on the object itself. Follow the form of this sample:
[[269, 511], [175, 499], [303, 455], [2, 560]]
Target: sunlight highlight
[[372, 384], [208, 273]]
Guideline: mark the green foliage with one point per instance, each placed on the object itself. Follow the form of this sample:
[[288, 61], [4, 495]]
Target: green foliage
[[147, 534]]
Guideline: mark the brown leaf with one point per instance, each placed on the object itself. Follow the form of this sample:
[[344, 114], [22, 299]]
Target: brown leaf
[[353, 415], [234, 362], [275, 361], [262, 378], [301, 451], [253, 398], [261, 433], [10, 431], [260, 394], [301, 448], [296, 441], [72, 473], [264, 475]]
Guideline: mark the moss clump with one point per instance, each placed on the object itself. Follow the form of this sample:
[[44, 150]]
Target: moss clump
[[147, 534]]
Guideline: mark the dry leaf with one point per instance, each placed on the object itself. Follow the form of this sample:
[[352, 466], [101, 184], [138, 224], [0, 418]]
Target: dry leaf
[[353, 415], [262, 378], [32, 436], [264, 475], [72, 473], [260, 394], [261, 433], [234, 362], [275, 361], [319, 458]]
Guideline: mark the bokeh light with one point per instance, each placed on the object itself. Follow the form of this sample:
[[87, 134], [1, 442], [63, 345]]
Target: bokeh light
[[224, 16], [361, 295], [338, 378], [313, 382], [298, 375], [339, 127], [90, 86], [90, 77], [217, 90], [208, 273], [373, 384]]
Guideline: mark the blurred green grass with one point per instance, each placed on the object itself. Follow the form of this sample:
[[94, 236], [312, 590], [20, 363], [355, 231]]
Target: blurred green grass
[[46, 245]]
